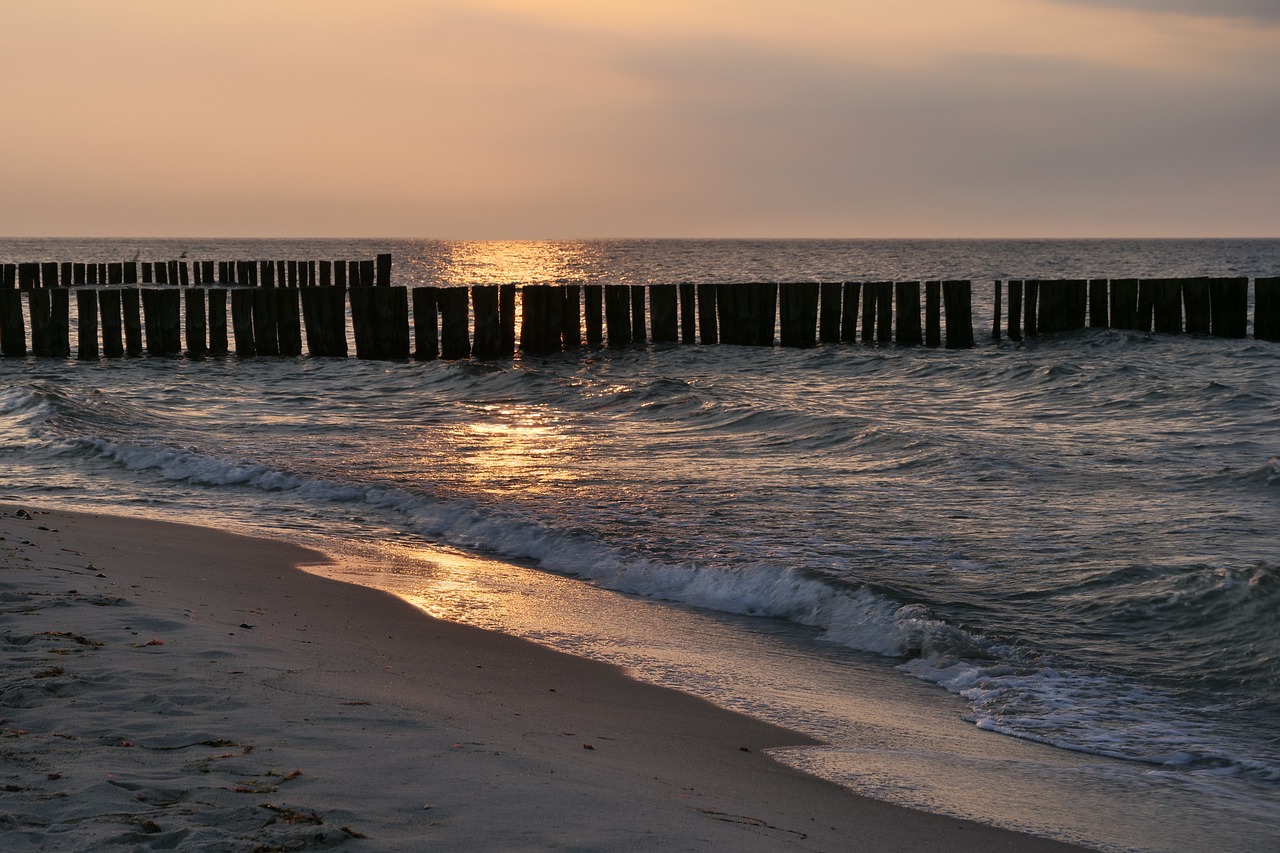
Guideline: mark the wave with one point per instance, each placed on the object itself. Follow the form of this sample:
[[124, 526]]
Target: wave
[[1010, 689]]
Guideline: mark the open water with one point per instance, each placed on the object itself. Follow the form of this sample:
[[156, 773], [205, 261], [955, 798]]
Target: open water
[[1033, 584]]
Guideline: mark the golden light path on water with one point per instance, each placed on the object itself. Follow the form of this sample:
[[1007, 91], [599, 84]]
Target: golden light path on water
[[525, 262]]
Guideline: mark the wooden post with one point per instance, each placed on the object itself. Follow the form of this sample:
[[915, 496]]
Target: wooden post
[[13, 334], [130, 272], [426, 324], [507, 317], [242, 321], [454, 340], [266, 273], [197, 321], [217, 315], [707, 330], [368, 278], [663, 318], [1099, 318], [884, 312], [997, 308], [870, 311], [1049, 316], [38, 310], [288, 321], [593, 298], [1195, 298], [60, 322], [688, 313], [266, 322], [959, 312], [485, 310], [66, 277], [184, 274], [728, 311], [130, 304], [87, 324], [28, 279], [1031, 308], [8, 276], [908, 302], [162, 277], [49, 274], [164, 321], [637, 314], [340, 274], [571, 316], [1266, 309], [326, 273], [553, 316], [384, 270], [1229, 307], [1167, 305], [849, 316], [1076, 307], [829, 309], [362, 320], [1124, 303], [764, 311], [291, 273], [799, 313], [112, 327], [617, 314], [1015, 310], [91, 274], [206, 272], [533, 319], [77, 274]]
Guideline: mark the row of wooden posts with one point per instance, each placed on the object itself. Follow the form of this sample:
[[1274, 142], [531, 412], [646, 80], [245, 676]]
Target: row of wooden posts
[[481, 321], [36, 274]]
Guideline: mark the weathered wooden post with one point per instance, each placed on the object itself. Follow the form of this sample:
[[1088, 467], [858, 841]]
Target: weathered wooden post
[[617, 314], [1266, 309], [637, 314], [13, 333], [1167, 305], [764, 312], [849, 315], [242, 321], [729, 311], [38, 310], [1031, 308], [1015, 310], [289, 321], [488, 332], [49, 275], [507, 317], [266, 321], [553, 307], [60, 322], [798, 313], [1124, 303], [870, 311], [217, 314], [997, 308], [112, 325], [1229, 307], [663, 315], [130, 272], [908, 305], [130, 303], [326, 273], [66, 277], [426, 324], [1099, 318], [368, 275], [688, 313], [533, 319], [829, 312], [884, 312], [1195, 298], [197, 321], [958, 306], [87, 324], [455, 342], [384, 270], [593, 309], [707, 330], [340, 269]]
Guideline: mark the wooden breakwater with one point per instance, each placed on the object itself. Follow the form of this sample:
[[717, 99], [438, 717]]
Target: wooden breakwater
[[281, 308]]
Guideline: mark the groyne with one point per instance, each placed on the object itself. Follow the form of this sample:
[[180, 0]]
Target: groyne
[[325, 308]]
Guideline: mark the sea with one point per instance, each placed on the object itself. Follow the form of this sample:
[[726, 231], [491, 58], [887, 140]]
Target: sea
[[1035, 584]]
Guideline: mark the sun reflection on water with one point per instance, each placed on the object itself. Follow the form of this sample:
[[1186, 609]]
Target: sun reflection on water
[[519, 261], [516, 450]]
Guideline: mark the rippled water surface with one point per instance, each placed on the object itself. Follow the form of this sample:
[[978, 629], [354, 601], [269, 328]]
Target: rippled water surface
[[1070, 541]]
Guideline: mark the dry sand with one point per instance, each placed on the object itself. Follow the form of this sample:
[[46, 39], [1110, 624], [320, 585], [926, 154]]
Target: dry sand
[[174, 687]]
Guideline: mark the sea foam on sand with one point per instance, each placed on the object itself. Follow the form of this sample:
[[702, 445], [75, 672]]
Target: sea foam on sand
[[165, 686]]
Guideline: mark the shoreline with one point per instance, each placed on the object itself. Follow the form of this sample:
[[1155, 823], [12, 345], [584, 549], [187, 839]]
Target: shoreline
[[169, 684]]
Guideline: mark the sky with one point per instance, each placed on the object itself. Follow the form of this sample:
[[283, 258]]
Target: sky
[[538, 119]]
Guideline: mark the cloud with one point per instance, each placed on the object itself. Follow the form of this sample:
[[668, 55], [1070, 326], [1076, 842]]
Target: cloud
[[1264, 11]]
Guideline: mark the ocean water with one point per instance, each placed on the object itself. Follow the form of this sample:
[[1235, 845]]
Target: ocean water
[[1033, 584]]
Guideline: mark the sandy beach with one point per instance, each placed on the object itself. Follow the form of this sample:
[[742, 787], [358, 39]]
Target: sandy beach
[[167, 686]]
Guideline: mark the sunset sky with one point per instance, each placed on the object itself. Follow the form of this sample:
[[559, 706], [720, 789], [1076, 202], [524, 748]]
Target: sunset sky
[[663, 118]]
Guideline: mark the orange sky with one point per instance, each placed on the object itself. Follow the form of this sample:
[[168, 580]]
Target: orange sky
[[568, 118]]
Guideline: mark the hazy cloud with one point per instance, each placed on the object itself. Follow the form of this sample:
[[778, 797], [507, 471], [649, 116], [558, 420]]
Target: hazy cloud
[[1266, 11]]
